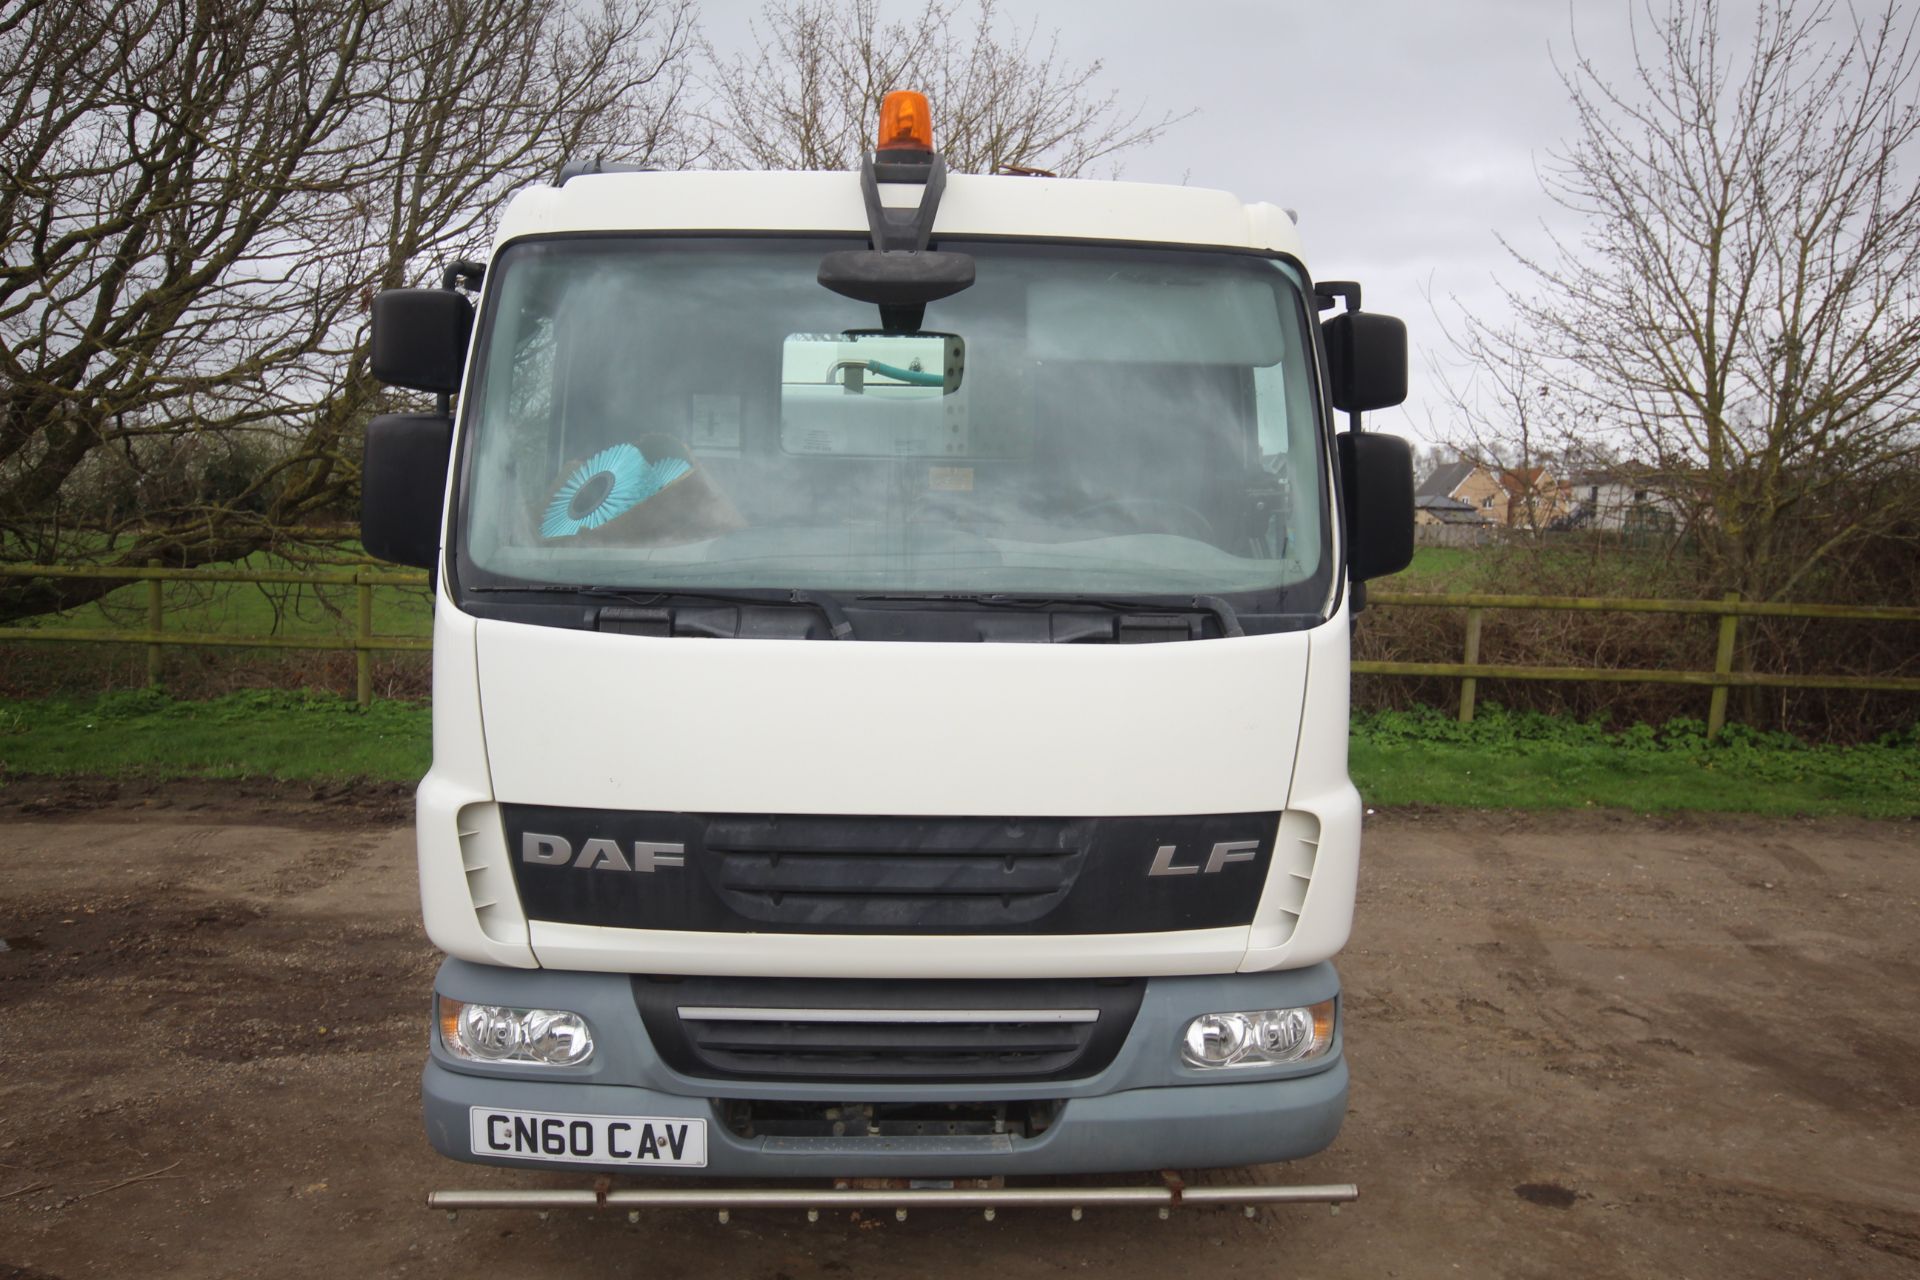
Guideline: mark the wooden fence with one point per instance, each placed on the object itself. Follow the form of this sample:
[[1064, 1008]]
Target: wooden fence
[[1469, 671], [363, 643], [1729, 610]]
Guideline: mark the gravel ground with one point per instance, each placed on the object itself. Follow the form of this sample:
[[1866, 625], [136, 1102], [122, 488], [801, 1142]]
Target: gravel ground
[[1588, 1044]]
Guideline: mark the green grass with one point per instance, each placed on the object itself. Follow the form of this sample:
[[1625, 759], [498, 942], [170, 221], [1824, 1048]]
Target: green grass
[[250, 609], [1531, 761], [1502, 760], [257, 733], [1435, 569]]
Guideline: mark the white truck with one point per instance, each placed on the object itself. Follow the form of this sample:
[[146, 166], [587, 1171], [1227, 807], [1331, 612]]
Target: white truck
[[890, 671]]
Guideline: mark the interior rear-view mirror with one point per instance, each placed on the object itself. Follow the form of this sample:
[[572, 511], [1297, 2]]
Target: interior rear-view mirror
[[894, 365], [873, 394]]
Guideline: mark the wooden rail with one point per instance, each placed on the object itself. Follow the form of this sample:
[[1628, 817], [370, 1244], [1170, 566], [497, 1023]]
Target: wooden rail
[[1469, 672], [363, 643], [1729, 610]]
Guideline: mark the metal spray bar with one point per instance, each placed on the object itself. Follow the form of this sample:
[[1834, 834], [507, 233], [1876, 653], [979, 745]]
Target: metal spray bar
[[899, 1200]]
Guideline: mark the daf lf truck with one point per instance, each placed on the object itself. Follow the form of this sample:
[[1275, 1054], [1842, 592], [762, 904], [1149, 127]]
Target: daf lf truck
[[890, 670]]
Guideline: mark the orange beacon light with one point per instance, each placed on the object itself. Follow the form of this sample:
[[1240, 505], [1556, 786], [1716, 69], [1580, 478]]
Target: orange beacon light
[[906, 124]]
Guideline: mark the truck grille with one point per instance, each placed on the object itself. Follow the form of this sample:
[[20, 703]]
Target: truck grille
[[962, 875], [802, 1029], [881, 874]]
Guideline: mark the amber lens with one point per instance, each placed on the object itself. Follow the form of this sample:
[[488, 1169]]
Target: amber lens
[[905, 122], [450, 1019], [1322, 1026]]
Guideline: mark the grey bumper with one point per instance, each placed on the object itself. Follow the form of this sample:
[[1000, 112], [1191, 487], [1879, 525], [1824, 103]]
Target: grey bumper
[[1144, 1111]]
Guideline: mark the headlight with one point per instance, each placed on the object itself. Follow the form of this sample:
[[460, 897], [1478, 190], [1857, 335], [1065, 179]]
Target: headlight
[[1259, 1037], [497, 1033], [486, 1031]]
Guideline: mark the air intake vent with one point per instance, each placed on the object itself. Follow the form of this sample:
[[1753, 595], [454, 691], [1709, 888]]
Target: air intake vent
[[961, 876], [868, 1031], [483, 856]]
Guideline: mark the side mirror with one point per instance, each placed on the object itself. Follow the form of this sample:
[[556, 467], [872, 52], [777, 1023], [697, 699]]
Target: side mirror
[[403, 478], [420, 338], [1366, 360], [1376, 481]]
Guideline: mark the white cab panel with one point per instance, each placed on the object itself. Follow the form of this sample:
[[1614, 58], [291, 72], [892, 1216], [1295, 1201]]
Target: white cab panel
[[1024, 208], [462, 849], [1321, 789], [788, 955], [591, 720]]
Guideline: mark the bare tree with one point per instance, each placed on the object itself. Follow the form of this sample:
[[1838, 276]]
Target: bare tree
[[197, 202], [1740, 314], [809, 94]]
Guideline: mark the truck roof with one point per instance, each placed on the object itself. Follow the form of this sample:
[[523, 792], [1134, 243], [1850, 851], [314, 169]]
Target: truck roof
[[1025, 207]]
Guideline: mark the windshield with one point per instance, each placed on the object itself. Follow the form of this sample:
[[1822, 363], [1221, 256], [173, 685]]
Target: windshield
[[668, 413]]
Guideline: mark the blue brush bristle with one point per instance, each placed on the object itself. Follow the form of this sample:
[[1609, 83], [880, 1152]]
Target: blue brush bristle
[[634, 481]]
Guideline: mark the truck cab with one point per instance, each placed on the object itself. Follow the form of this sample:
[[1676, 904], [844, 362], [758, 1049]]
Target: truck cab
[[890, 671]]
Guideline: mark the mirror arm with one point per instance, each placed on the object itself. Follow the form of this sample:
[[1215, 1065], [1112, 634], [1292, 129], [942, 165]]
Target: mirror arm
[[466, 275], [897, 230], [1326, 293], [907, 317], [463, 273]]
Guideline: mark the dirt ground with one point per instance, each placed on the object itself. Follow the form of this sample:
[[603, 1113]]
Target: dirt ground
[[1590, 1044]]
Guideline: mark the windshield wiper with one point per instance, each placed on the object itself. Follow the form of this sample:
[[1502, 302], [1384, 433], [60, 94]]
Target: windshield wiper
[[819, 601], [1219, 608]]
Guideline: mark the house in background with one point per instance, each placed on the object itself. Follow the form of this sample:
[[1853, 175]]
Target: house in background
[[1534, 499], [1460, 493], [1627, 499], [1470, 493]]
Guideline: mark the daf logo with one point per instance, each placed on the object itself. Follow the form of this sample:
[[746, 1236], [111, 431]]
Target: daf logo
[[1224, 852], [600, 855]]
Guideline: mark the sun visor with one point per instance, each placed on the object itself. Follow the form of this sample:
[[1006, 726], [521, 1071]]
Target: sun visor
[[1229, 319]]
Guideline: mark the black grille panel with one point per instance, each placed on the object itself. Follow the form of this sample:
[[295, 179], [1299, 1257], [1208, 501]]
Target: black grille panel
[[795, 1029], [803, 873], [888, 1050], [959, 875]]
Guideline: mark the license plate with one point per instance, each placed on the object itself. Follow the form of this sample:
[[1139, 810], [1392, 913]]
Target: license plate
[[576, 1139]]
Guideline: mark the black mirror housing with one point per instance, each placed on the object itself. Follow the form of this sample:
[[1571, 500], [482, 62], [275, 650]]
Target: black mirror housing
[[1366, 360], [403, 480], [1376, 485], [897, 278], [420, 338]]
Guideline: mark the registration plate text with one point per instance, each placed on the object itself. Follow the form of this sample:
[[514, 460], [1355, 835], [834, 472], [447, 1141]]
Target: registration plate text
[[578, 1139]]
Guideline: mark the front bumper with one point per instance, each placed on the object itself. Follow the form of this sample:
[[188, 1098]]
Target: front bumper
[[1145, 1110]]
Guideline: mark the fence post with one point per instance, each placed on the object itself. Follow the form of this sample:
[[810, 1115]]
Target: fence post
[[1469, 684], [362, 637], [1722, 665], [154, 589]]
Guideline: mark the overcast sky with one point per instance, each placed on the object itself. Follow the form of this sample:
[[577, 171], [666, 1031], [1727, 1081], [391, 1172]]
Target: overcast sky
[[1405, 132]]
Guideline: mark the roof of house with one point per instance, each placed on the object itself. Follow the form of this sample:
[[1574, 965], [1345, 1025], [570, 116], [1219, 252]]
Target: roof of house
[[1520, 480], [1449, 510], [1624, 473], [1444, 479]]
